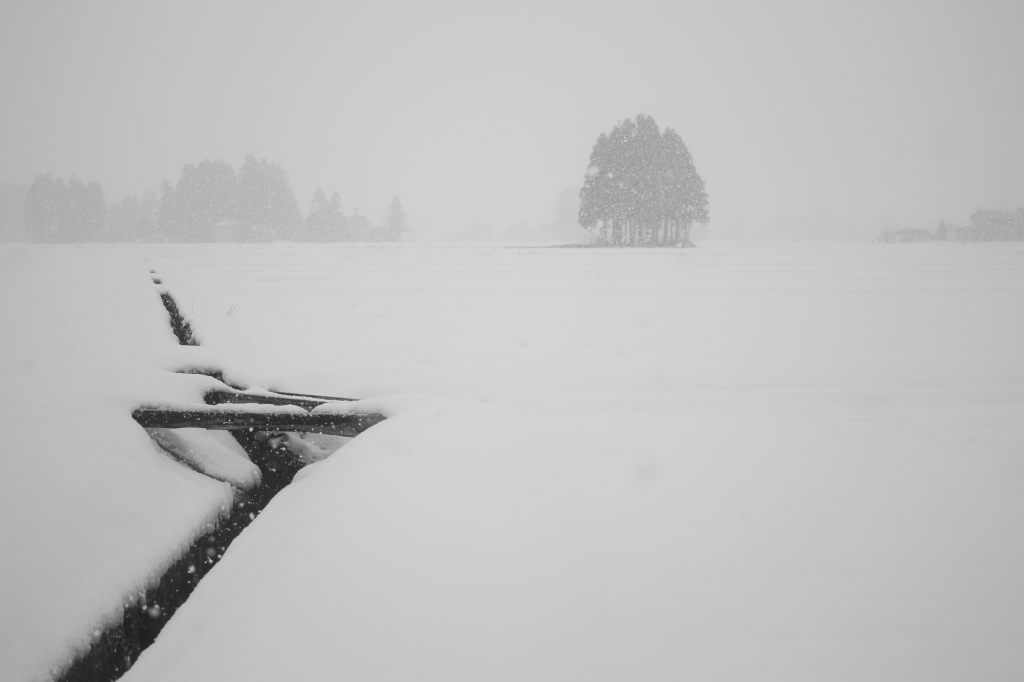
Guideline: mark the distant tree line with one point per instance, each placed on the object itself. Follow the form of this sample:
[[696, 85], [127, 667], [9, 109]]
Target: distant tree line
[[986, 226], [641, 187], [58, 212], [991, 226], [209, 202]]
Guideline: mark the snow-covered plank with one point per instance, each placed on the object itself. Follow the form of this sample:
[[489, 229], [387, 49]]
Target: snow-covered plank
[[264, 418]]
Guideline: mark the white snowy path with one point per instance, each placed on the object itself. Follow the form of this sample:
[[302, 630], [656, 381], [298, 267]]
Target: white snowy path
[[779, 463], [90, 509]]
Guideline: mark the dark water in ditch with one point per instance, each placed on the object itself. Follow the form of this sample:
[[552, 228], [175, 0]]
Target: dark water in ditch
[[114, 652]]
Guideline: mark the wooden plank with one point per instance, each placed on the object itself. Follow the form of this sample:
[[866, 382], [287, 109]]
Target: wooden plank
[[324, 398], [240, 398], [232, 420]]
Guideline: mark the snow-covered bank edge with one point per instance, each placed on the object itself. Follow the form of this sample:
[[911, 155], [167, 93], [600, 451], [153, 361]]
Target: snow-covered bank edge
[[253, 467], [124, 632]]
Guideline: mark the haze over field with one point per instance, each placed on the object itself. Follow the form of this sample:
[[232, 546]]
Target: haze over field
[[804, 120], [367, 341]]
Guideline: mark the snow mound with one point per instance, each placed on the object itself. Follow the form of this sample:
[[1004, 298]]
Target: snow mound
[[215, 453], [504, 542]]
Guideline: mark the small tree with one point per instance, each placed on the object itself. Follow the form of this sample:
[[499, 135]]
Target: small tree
[[362, 230], [337, 225], [44, 208], [325, 223], [266, 203], [85, 211], [394, 222], [166, 212]]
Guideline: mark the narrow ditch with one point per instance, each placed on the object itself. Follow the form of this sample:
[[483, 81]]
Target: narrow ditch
[[181, 328], [117, 648]]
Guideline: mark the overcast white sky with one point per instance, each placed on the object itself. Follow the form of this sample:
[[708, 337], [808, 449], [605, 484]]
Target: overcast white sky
[[477, 112]]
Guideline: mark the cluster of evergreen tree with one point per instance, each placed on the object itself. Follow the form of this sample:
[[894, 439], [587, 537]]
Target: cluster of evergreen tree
[[134, 220], [58, 212], [994, 225], [641, 187], [209, 202], [326, 223]]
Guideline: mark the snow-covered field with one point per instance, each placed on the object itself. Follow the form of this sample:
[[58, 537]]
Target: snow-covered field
[[789, 462]]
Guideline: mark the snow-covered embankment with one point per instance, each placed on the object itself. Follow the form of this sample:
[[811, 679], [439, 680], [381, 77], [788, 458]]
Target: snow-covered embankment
[[91, 510]]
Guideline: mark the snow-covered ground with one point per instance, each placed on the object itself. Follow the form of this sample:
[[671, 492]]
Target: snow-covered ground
[[794, 462], [90, 509], [791, 462], [478, 322]]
